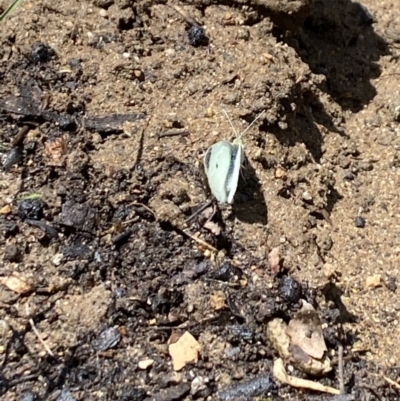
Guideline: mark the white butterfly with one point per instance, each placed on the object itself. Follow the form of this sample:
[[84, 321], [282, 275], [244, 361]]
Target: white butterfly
[[222, 163]]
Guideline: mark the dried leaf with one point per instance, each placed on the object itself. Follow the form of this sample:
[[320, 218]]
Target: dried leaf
[[276, 332], [6, 209], [280, 374], [305, 332], [183, 351]]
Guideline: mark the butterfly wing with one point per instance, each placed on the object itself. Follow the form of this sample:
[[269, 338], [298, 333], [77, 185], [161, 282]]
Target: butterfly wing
[[233, 175], [217, 163]]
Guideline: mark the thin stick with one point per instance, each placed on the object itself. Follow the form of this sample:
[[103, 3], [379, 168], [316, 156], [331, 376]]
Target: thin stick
[[146, 207], [174, 132], [183, 13], [20, 135], [200, 241], [391, 382], [340, 369], [46, 347], [198, 211], [35, 330]]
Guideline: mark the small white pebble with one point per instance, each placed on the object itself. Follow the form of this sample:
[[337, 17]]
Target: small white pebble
[[169, 52], [56, 259], [145, 363]]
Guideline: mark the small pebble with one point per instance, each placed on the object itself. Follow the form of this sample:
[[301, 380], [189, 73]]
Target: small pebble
[[306, 196], [13, 157], [145, 363], [108, 338], [396, 113], [56, 259], [279, 173], [198, 384], [359, 222]]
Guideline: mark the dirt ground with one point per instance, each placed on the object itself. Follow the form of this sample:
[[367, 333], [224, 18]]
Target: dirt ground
[[107, 108]]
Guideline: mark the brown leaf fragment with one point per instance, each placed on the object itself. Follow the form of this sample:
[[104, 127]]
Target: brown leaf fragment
[[276, 332], [184, 351], [305, 332], [6, 209]]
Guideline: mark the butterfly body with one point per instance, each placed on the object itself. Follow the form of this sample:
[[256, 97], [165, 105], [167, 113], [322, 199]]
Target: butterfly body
[[222, 163]]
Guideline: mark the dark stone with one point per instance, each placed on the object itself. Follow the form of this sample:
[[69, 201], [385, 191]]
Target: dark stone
[[74, 63], [134, 394], [171, 394], [11, 229], [359, 222], [262, 385], [107, 339], [78, 250], [390, 282], [267, 309], [227, 272], [41, 53], [197, 36], [31, 209], [14, 156], [242, 332], [290, 290], [78, 216], [12, 253], [122, 238], [50, 231]]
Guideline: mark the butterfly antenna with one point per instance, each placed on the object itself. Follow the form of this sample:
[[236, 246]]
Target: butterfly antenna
[[252, 123], [230, 122]]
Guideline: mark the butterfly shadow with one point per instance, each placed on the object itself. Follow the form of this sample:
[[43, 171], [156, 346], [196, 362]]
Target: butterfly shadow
[[249, 204]]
